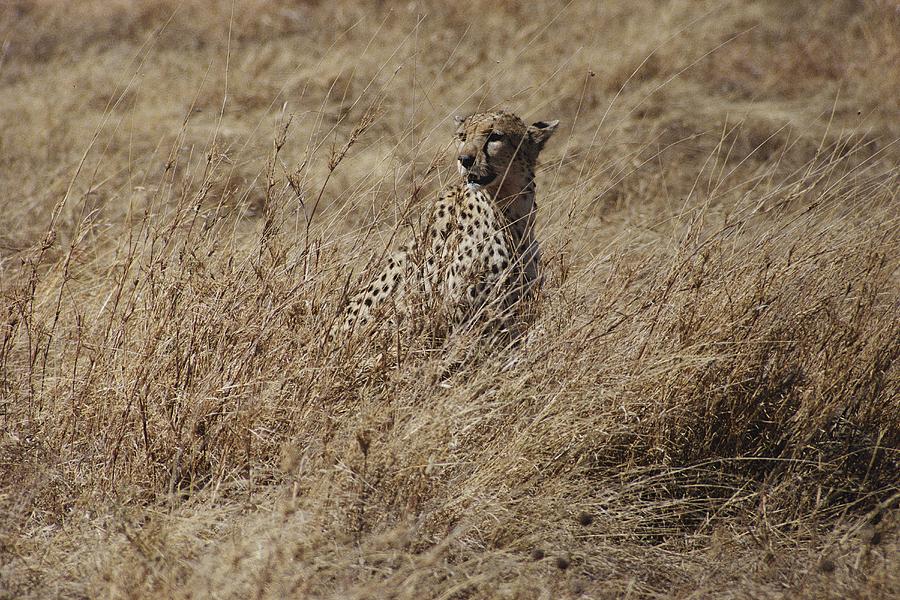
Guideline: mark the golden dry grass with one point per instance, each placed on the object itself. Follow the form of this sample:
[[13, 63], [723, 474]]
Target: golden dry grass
[[707, 404]]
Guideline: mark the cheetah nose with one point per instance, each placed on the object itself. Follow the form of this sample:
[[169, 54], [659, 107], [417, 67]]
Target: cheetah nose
[[466, 160]]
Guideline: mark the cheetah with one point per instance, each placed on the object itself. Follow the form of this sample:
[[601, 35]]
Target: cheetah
[[479, 254]]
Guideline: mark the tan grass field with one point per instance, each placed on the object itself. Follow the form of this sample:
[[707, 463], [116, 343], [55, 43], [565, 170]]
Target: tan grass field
[[706, 406]]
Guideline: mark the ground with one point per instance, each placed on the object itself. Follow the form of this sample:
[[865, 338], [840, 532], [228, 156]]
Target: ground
[[708, 405]]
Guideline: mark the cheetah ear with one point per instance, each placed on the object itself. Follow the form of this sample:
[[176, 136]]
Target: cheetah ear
[[459, 119], [541, 131]]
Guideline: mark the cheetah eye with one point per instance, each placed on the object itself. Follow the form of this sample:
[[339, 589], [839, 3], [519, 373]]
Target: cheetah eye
[[461, 137], [495, 137]]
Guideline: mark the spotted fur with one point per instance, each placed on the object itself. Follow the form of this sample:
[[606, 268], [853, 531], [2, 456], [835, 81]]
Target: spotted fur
[[479, 254]]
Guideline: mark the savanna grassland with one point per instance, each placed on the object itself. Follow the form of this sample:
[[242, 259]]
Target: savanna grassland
[[706, 404]]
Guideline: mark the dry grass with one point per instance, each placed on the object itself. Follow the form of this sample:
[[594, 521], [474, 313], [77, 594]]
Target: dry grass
[[707, 404]]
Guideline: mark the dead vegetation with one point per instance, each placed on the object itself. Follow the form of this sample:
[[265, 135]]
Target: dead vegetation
[[707, 404]]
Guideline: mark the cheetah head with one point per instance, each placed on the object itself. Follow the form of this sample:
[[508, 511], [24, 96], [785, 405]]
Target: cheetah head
[[498, 151]]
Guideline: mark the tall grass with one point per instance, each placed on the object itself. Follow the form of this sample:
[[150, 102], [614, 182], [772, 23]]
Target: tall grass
[[705, 406]]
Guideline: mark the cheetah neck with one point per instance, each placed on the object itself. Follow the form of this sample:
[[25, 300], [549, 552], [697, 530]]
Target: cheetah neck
[[519, 209]]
